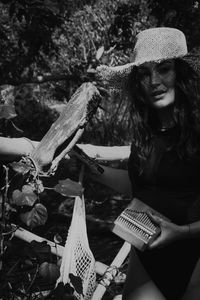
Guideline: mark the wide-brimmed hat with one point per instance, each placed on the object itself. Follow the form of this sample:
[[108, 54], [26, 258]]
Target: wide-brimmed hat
[[151, 45]]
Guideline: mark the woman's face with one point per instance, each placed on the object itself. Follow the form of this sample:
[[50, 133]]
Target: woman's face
[[158, 83]]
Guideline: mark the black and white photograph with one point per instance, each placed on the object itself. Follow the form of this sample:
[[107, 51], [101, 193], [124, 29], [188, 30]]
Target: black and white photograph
[[99, 150]]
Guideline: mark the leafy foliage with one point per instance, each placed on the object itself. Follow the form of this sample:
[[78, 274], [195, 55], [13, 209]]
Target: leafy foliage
[[7, 103], [68, 187], [62, 292], [23, 167], [27, 19], [36, 217], [77, 283], [176, 14], [20, 276], [25, 197], [130, 18], [49, 271]]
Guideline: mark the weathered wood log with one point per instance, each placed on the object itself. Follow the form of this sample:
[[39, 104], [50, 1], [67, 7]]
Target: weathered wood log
[[67, 129]]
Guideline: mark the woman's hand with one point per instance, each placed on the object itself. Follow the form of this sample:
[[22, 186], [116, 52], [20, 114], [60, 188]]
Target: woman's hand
[[170, 232]]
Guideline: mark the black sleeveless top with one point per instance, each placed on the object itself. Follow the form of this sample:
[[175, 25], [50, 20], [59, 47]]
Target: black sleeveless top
[[171, 186], [167, 183]]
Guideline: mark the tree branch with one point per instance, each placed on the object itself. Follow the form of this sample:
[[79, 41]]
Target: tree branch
[[40, 79]]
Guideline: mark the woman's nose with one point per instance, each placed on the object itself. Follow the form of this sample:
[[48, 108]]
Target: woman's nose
[[155, 78]]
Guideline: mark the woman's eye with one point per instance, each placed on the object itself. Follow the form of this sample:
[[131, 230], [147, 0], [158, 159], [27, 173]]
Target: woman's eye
[[164, 69], [143, 74]]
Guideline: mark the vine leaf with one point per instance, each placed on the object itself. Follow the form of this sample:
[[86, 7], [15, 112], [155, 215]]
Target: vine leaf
[[28, 189], [8, 209], [25, 197], [63, 292], [36, 217], [68, 187], [39, 186], [37, 252], [21, 167], [100, 52], [42, 249], [77, 283], [7, 102], [7, 111], [49, 271]]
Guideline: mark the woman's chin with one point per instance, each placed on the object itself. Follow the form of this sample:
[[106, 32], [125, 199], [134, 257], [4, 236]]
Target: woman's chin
[[162, 103]]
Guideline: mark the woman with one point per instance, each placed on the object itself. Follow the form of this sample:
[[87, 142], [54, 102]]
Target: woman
[[163, 85]]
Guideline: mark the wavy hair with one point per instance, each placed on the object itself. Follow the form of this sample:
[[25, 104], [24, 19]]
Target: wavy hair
[[186, 114]]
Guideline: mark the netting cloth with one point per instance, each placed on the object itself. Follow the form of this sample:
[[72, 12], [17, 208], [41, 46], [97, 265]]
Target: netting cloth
[[77, 257]]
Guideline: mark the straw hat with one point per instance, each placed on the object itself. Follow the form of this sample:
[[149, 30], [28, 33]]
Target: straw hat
[[155, 44]]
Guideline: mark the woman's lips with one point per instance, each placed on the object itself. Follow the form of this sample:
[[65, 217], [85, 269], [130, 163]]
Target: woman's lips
[[158, 94]]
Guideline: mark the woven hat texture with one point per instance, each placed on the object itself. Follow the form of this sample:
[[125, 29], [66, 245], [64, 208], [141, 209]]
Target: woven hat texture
[[154, 44]]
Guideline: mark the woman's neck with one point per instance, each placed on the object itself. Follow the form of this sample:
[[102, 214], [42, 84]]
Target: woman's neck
[[165, 116]]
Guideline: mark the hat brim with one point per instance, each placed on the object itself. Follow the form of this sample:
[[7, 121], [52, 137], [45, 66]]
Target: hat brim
[[192, 59], [115, 78]]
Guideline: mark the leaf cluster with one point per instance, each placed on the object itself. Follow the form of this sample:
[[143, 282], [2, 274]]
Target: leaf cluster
[[26, 33], [27, 269], [176, 14]]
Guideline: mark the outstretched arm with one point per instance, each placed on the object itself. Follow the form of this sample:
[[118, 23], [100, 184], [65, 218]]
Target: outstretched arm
[[116, 179], [109, 153], [13, 148]]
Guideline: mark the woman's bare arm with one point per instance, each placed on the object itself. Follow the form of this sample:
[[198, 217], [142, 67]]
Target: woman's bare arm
[[116, 179], [109, 153], [13, 148]]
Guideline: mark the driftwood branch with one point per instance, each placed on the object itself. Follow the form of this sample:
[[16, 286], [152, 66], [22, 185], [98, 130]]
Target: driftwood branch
[[67, 128], [75, 139]]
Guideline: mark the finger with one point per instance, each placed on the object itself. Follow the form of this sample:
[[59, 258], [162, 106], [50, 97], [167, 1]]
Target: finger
[[154, 245], [157, 243], [156, 219]]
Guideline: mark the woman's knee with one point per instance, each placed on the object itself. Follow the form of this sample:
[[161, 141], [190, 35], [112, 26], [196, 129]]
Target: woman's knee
[[138, 285], [147, 291]]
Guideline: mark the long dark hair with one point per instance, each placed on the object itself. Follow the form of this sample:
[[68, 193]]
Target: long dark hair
[[186, 114]]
